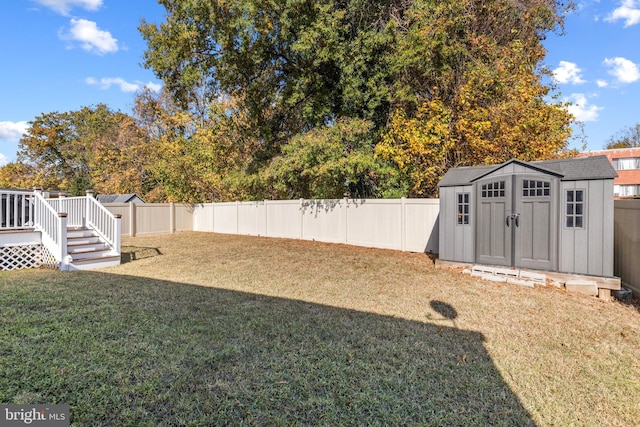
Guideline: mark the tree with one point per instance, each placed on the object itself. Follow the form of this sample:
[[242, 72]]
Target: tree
[[626, 138], [464, 74], [470, 92], [329, 162], [91, 148], [17, 175], [199, 155]]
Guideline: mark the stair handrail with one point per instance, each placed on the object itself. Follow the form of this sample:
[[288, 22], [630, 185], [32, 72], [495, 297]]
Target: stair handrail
[[105, 223], [53, 227]]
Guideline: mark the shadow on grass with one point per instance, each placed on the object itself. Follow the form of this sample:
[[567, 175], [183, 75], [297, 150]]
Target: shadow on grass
[[134, 253], [129, 351]]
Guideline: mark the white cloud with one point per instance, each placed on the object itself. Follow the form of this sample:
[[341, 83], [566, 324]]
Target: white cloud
[[91, 38], [602, 83], [568, 72], [3, 159], [105, 83], [154, 87], [581, 110], [623, 70], [63, 7], [629, 11], [12, 131]]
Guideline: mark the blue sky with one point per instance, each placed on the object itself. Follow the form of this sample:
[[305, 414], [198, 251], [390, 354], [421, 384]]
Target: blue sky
[[61, 55]]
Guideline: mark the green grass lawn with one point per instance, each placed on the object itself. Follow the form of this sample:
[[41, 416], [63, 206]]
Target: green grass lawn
[[206, 329]]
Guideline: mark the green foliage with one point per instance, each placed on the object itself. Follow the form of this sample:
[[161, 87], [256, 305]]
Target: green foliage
[[328, 163], [299, 65], [310, 98]]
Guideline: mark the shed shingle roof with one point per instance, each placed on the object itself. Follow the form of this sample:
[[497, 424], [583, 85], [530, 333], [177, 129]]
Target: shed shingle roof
[[576, 169], [117, 198]]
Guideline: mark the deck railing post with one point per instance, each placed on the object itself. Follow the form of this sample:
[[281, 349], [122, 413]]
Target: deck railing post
[[117, 239], [62, 235], [87, 213]]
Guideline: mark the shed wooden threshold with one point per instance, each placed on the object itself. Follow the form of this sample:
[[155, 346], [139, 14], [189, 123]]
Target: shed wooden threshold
[[591, 285]]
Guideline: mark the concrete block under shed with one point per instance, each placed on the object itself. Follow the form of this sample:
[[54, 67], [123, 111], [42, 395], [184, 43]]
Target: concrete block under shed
[[587, 287], [539, 278], [520, 282]]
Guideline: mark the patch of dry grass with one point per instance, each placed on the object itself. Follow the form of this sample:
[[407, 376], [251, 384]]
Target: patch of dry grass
[[570, 358], [280, 331]]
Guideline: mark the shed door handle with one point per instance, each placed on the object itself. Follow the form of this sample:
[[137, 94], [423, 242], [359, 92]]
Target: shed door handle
[[516, 219]]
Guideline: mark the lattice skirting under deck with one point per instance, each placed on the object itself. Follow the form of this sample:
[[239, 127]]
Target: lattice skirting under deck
[[26, 256]]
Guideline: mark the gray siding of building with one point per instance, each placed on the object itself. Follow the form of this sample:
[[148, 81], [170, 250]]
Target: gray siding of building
[[457, 241], [588, 250]]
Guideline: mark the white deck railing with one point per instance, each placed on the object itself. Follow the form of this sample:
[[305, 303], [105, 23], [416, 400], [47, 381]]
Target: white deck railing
[[75, 208], [103, 222], [51, 217], [53, 226], [16, 211]]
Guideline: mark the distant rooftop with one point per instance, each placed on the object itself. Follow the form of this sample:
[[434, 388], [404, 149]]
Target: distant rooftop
[[119, 198]]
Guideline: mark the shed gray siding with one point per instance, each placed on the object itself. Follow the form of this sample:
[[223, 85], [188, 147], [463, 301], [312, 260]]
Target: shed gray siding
[[541, 238], [457, 242], [588, 250]]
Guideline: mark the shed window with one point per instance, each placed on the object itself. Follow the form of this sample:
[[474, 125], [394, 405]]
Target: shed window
[[531, 188], [493, 189], [463, 208], [575, 209]]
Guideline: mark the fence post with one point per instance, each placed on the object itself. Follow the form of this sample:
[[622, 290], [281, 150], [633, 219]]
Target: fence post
[[301, 218], [62, 235], [403, 224], [237, 217], [346, 220], [172, 217], [266, 219], [132, 219]]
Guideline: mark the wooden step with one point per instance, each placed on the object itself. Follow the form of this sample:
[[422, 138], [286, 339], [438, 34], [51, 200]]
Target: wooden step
[[93, 263], [80, 233], [98, 254], [88, 251], [79, 241], [87, 247]]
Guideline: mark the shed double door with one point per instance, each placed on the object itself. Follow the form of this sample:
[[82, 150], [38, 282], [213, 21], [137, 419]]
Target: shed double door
[[516, 221]]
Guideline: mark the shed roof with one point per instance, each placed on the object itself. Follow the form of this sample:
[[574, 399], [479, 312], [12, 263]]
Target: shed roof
[[575, 169], [118, 198]]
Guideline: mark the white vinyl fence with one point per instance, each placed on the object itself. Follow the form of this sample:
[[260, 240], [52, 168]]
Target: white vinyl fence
[[401, 224]]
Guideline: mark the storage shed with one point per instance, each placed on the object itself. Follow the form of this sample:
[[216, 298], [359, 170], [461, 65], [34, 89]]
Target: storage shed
[[555, 215]]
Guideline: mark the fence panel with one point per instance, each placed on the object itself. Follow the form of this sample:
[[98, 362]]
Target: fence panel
[[626, 243], [421, 225], [324, 220], [375, 223], [251, 218], [183, 219], [225, 218], [284, 218], [203, 217]]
